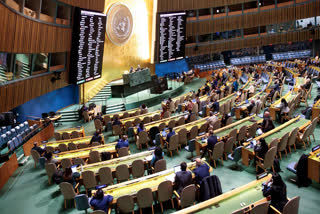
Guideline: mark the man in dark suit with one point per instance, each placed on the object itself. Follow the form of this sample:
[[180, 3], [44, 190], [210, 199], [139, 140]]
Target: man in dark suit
[[267, 124], [183, 178], [201, 171], [38, 149], [212, 140]]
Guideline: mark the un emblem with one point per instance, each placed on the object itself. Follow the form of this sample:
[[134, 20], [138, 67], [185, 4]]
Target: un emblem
[[119, 24]]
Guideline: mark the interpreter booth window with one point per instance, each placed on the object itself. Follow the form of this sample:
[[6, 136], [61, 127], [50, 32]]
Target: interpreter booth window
[[219, 11], [5, 73], [17, 5], [32, 8], [22, 66], [271, 29], [58, 61], [204, 13], [250, 7], [219, 36], [318, 20], [235, 9], [306, 23], [63, 14], [39, 63], [48, 10], [204, 38], [266, 4], [234, 34], [286, 27]]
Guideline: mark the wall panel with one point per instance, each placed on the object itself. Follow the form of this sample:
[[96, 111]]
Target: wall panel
[[97, 5], [24, 35]]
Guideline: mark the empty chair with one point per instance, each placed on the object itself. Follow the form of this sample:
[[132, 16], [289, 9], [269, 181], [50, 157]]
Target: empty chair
[[127, 125], [50, 170], [146, 120], [236, 155], [67, 191], [82, 202], [94, 157], [116, 130], [72, 146], [193, 132], [98, 125], [106, 119], [267, 162], [156, 117], [292, 139], [142, 139], [291, 207], [233, 133], [172, 124], [187, 197], [125, 115], [191, 147], [304, 137], [57, 136], [138, 168], [122, 173], [260, 208], [50, 149], [89, 180], [181, 121], [125, 204], [242, 134], [65, 136], [229, 121], [252, 130], [75, 134], [105, 176], [166, 114], [203, 128], [282, 146], [78, 162], [173, 144], [162, 126], [145, 198], [183, 138], [228, 146], [193, 117], [217, 153], [172, 107], [63, 147], [66, 163], [160, 165], [195, 109], [124, 151], [313, 126], [274, 142], [136, 121], [164, 193], [35, 155], [216, 125]]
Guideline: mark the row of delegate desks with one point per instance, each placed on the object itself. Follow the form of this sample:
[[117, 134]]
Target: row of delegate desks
[[222, 133], [238, 198], [247, 150], [314, 166], [151, 181], [77, 141], [84, 153], [80, 130], [150, 114]]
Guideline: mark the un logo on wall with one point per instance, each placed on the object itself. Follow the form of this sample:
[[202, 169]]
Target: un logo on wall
[[119, 24]]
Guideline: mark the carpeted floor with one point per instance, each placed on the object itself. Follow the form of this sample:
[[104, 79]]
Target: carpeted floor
[[28, 191]]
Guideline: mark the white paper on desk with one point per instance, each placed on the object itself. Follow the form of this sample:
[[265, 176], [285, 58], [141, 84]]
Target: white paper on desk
[[171, 177], [149, 158]]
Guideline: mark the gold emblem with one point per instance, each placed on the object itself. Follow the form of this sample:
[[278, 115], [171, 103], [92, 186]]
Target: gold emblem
[[119, 24]]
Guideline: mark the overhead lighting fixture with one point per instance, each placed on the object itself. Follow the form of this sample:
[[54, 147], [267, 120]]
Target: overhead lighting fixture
[[218, 11]]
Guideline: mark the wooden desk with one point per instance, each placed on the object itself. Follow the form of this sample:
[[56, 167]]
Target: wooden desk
[[151, 181], [7, 169], [80, 130], [131, 112], [84, 153], [150, 114], [113, 163], [249, 194], [248, 153], [314, 166], [222, 133], [55, 144], [315, 110]]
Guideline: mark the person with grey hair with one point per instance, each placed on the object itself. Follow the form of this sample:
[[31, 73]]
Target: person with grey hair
[[201, 171]]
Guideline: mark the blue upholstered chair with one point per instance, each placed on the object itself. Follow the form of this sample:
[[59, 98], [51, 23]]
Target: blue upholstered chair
[[15, 142], [82, 202]]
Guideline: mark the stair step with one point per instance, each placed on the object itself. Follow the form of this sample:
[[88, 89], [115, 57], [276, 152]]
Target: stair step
[[119, 104]]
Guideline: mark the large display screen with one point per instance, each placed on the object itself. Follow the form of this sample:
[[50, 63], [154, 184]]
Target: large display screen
[[88, 38], [172, 30]]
